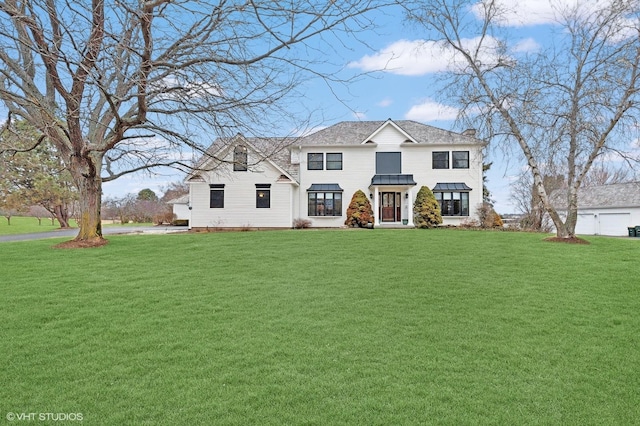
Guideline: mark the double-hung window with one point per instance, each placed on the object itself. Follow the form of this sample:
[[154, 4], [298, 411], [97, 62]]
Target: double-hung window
[[460, 159], [263, 195], [315, 161], [334, 161], [440, 160], [216, 196]]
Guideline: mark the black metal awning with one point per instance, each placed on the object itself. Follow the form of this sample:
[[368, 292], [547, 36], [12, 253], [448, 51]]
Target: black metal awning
[[393, 180], [325, 187], [451, 187]]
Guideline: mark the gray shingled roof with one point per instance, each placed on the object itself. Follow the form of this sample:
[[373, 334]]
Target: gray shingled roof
[[183, 199], [356, 132], [275, 149], [343, 133], [613, 195]]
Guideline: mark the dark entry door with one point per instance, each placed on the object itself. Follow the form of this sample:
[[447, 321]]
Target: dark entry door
[[388, 206]]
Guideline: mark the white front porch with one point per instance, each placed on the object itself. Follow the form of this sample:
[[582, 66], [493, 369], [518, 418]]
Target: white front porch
[[392, 206]]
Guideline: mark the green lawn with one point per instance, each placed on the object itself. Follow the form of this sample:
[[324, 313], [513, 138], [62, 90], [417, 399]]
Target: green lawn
[[25, 225], [382, 327]]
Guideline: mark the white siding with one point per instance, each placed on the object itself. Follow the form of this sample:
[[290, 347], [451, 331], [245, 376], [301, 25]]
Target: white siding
[[290, 201], [417, 160], [389, 135], [359, 166], [240, 199], [181, 211], [611, 222]]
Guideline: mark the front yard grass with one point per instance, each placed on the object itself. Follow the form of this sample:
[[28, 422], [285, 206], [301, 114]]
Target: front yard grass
[[325, 328], [26, 225]]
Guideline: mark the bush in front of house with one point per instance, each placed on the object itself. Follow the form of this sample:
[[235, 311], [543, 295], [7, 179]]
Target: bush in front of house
[[426, 209], [300, 223], [488, 216], [359, 213]]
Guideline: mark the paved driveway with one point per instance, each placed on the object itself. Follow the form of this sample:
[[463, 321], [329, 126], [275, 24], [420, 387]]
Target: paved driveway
[[107, 230]]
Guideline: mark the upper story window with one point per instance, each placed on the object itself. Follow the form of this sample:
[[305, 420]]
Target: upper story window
[[460, 159], [216, 196], [388, 163], [315, 161], [240, 159], [334, 161], [440, 160]]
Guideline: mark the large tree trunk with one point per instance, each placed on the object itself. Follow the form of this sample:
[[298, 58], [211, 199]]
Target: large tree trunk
[[62, 215], [86, 172]]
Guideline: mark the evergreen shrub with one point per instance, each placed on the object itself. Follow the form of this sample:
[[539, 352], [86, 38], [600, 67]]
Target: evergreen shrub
[[426, 209], [359, 213]]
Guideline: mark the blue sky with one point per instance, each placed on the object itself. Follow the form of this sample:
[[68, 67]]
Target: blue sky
[[404, 90]]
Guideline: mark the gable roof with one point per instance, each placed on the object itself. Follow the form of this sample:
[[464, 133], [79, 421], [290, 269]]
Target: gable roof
[[603, 196], [276, 152], [272, 150], [358, 132]]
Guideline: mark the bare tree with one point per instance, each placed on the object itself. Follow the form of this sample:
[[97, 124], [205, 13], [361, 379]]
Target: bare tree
[[121, 86], [174, 190], [563, 106], [606, 174], [527, 201]]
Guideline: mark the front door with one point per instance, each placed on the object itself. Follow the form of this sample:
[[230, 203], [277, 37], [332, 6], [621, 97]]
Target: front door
[[390, 206]]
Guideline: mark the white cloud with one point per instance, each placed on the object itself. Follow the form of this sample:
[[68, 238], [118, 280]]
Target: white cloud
[[405, 57], [526, 45], [359, 115], [420, 57], [430, 110], [384, 103]]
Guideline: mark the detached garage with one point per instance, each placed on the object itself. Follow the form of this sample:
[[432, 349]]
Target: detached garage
[[608, 209]]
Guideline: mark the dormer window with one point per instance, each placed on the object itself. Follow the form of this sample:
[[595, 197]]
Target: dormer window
[[240, 159]]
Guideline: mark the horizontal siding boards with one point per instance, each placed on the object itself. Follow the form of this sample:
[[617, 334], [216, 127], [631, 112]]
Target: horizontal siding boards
[[290, 201], [359, 168], [240, 199], [240, 207]]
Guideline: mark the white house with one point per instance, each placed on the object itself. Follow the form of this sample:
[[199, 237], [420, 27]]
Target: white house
[[608, 209], [180, 207], [245, 182]]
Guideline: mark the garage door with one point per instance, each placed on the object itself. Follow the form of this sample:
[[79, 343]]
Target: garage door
[[586, 224], [614, 223]]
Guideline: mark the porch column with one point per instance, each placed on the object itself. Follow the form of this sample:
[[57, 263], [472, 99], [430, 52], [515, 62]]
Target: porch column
[[410, 207], [375, 206]]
